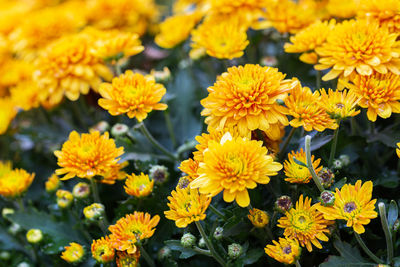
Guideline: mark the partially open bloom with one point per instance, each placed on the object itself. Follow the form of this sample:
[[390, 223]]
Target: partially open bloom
[[359, 47], [138, 185], [386, 12], [339, 104], [128, 259], [187, 206], [352, 203], [234, 165], [64, 198], [305, 223], [379, 93], [81, 190], [296, 173], [286, 251], [133, 94], [15, 182], [102, 250], [94, 211], [127, 230], [87, 155], [73, 253], [258, 218], [246, 97]]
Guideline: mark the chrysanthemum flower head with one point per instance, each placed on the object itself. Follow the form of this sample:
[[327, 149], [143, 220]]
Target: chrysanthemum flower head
[[127, 259], [234, 165], [64, 198], [386, 12], [102, 250], [115, 173], [25, 95], [286, 251], [139, 185], [305, 223], [131, 228], [15, 182], [87, 155], [379, 93], [187, 205], [352, 203], [258, 218], [73, 253], [296, 173], [190, 168], [133, 94], [246, 97], [307, 111], [339, 104], [359, 46], [343, 8], [7, 113]]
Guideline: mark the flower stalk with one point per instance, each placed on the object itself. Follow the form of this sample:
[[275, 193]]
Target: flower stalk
[[146, 256], [366, 249], [334, 144], [209, 244], [310, 166], [286, 142], [388, 235]]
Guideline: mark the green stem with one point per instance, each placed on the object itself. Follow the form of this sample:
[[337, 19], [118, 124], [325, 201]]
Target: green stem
[[286, 143], [217, 212], [298, 263], [310, 166], [118, 69], [209, 244], [95, 191], [146, 256], [388, 235], [318, 79], [170, 128], [155, 143], [202, 251], [334, 144], [366, 249], [20, 203]]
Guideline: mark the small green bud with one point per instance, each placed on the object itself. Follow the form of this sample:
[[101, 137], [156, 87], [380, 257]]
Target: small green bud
[[202, 243], [119, 129], [234, 250], [283, 204], [327, 198], [345, 159], [337, 164], [101, 126], [5, 255], [94, 211], [159, 174], [34, 236], [188, 240], [164, 253], [219, 233]]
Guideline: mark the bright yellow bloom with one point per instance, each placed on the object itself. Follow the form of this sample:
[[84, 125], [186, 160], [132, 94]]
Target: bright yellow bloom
[[352, 203], [69, 67], [380, 93], [296, 173], [14, 71], [246, 97], [258, 218], [233, 166], [286, 251], [307, 111], [343, 8], [52, 183], [64, 198], [308, 39], [102, 250], [7, 113], [176, 29], [73, 253], [387, 12], [186, 206], [305, 223], [138, 185], [132, 93], [128, 259], [398, 150], [15, 182], [359, 47], [223, 38], [126, 231], [339, 104], [25, 95], [87, 155], [190, 167]]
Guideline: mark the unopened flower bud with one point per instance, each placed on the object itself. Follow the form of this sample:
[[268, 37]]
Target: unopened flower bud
[[161, 76], [159, 173], [81, 190], [188, 240], [337, 164], [183, 182], [327, 198], [345, 159], [94, 211], [197, 53], [234, 250], [218, 233], [269, 61], [327, 177], [64, 198], [283, 204], [73, 253], [119, 129], [52, 183], [7, 211], [5, 255], [258, 218], [164, 253], [14, 228], [34, 236], [396, 225], [23, 264], [202, 243], [101, 127]]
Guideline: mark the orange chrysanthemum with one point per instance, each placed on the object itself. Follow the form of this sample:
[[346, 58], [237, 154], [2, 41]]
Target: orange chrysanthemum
[[296, 173], [133, 94], [233, 166], [190, 167], [387, 12], [187, 205], [15, 182], [102, 250], [352, 203], [128, 259], [126, 231], [87, 155], [246, 97], [359, 46], [286, 250], [339, 104], [305, 223], [138, 185]]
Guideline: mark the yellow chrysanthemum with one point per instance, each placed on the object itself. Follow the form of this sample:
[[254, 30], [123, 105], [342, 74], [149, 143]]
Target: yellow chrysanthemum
[[352, 203], [138, 185], [176, 29], [13, 72], [126, 231], [307, 111], [343, 8], [52, 183], [296, 173], [15, 182], [128, 259], [359, 46], [233, 166], [339, 104], [190, 167], [387, 12], [87, 155], [258, 218], [7, 113], [69, 67], [186, 206], [132, 93], [305, 223], [287, 251], [398, 150], [102, 250], [25, 95], [246, 97], [379, 93], [308, 39], [73, 253], [223, 38]]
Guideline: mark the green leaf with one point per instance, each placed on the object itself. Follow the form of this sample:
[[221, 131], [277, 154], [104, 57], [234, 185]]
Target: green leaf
[[393, 213], [339, 184], [176, 245], [349, 257], [253, 255], [8, 242]]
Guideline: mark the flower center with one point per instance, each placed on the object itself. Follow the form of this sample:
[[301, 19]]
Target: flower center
[[340, 105], [287, 250], [349, 207], [301, 219]]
